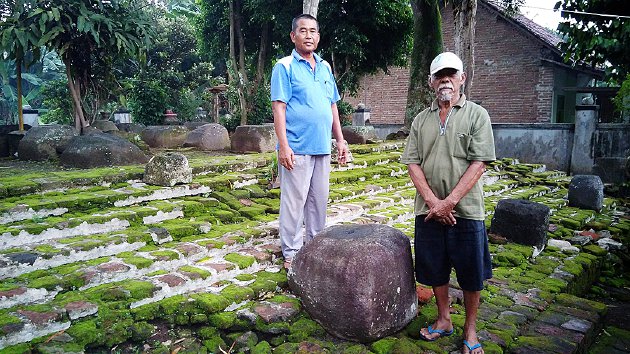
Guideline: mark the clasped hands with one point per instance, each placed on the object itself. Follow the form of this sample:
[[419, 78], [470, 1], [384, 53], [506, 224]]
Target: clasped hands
[[441, 210]]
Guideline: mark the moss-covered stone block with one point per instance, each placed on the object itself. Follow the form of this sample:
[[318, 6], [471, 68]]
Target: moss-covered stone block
[[211, 303], [222, 320], [383, 346], [237, 294], [262, 348], [242, 261], [194, 272], [304, 328]]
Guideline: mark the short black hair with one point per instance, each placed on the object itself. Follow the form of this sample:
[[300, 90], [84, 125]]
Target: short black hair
[[302, 16]]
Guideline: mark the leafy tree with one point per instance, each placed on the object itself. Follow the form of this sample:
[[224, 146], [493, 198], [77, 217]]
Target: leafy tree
[[18, 35], [602, 41], [85, 32], [357, 37]]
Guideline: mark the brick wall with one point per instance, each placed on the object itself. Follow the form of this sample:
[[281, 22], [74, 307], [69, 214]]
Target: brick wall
[[385, 95], [510, 80]]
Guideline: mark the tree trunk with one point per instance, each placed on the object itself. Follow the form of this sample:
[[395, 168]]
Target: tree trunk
[[18, 69], [234, 72], [310, 7], [75, 93], [427, 43], [464, 15], [262, 55]]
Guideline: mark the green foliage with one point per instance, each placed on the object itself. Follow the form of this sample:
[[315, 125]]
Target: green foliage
[[602, 41], [356, 37], [622, 100], [345, 112], [57, 99], [148, 101]]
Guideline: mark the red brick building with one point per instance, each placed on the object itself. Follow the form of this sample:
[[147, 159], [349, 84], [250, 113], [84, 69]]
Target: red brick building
[[519, 74]]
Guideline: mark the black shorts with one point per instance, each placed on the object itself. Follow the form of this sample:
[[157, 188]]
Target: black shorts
[[439, 248]]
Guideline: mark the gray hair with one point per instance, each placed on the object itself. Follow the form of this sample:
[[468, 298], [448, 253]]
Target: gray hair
[[300, 17]]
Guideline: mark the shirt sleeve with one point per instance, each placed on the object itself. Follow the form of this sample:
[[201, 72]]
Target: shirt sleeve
[[481, 146], [411, 154], [280, 84]]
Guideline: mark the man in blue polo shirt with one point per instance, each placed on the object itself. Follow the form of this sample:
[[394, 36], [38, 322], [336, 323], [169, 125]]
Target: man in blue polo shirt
[[304, 96]]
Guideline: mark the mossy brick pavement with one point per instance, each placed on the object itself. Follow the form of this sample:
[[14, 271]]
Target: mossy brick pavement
[[95, 261]]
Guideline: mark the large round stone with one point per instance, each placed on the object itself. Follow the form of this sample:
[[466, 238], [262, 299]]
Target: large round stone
[[100, 149], [45, 142], [357, 281], [167, 169], [209, 136]]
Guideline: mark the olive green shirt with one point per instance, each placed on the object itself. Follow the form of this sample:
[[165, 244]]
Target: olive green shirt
[[444, 157]]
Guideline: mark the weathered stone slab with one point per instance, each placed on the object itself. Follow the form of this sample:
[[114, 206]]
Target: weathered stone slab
[[254, 138], [45, 142], [99, 150], [105, 125], [521, 221], [359, 134], [210, 136], [167, 169], [586, 192], [357, 281], [131, 127], [165, 136]]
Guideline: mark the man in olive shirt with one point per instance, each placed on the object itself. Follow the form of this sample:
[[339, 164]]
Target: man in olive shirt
[[448, 146]]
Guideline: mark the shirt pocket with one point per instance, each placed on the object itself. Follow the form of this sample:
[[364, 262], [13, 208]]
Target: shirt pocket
[[462, 143]]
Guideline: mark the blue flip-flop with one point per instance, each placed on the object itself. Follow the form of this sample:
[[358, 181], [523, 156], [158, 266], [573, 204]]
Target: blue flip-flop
[[441, 332], [471, 347]]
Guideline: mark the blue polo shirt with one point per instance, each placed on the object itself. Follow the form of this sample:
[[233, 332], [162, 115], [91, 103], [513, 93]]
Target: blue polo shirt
[[308, 95]]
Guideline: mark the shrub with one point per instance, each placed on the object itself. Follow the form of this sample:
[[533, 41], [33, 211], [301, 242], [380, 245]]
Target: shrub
[[148, 102], [58, 102]]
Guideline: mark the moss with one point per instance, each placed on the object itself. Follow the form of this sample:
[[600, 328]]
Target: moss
[[245, 277], [7, 319], [194, 271], [17, 349], [303, 328], [141, 331], [211, 303], [383, 346], [222, 320], [165, 255], [262, 348], [237, 293], [50, 282], [87, 332], [146, 312], [240, 260], [138, 262]]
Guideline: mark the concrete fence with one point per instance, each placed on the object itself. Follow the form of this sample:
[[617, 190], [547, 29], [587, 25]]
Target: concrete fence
[[583, 147], [586, 147]]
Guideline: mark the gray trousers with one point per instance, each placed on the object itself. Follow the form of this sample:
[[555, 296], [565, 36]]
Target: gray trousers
[[303, 199]]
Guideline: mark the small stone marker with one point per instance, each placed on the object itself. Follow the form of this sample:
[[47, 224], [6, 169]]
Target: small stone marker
[[357, 281], [167, 169], [521, 221], [586, 192]]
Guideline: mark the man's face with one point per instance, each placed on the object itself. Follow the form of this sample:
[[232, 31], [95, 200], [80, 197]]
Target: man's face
[[446, 83], [305, 36]]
